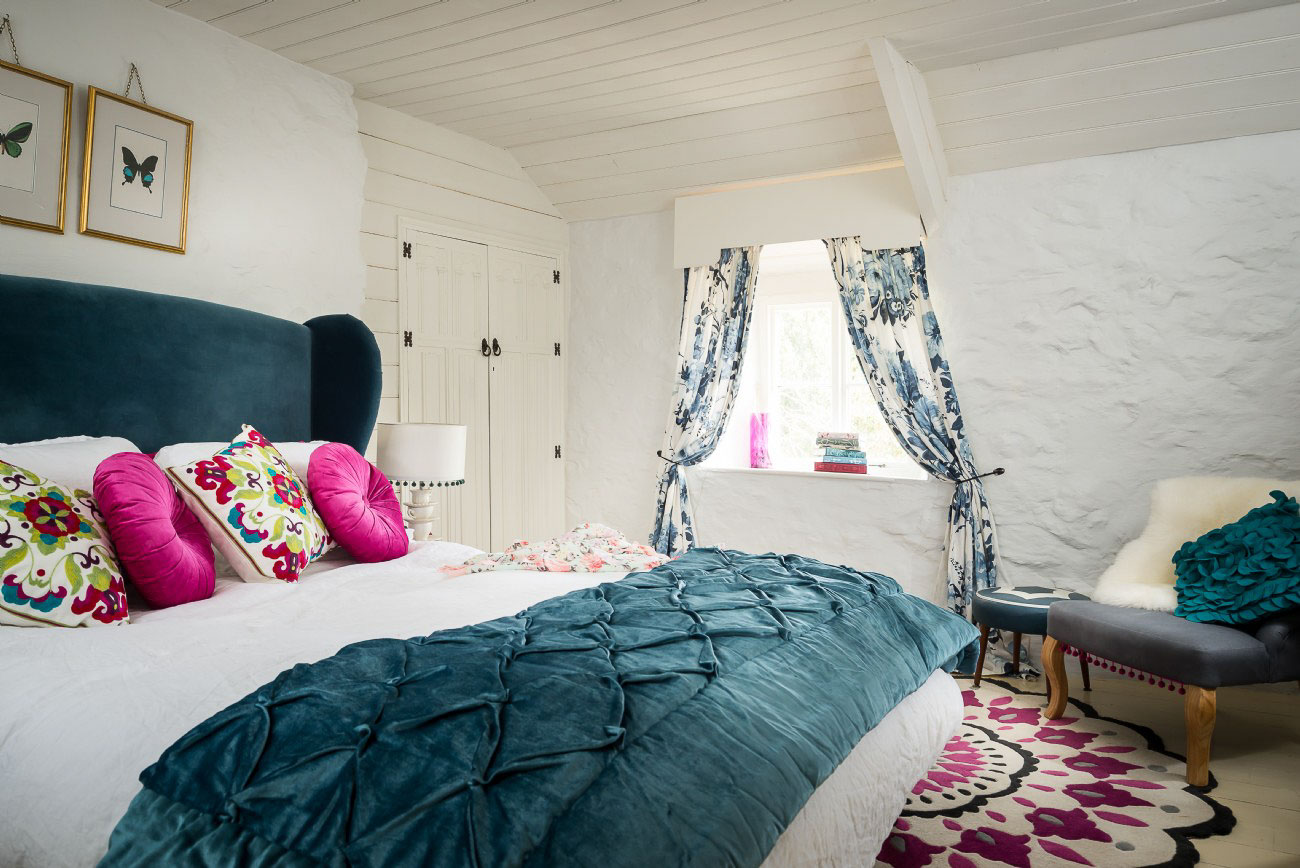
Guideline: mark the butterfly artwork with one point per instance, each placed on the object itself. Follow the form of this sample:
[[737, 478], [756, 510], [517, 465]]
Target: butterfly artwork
[[12, 142], [133, 168]]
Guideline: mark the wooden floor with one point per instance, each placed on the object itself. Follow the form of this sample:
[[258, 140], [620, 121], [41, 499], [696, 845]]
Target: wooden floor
[[1255, 756]]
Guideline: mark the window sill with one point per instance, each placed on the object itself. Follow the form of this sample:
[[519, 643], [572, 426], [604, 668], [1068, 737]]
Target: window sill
[[818, 474]]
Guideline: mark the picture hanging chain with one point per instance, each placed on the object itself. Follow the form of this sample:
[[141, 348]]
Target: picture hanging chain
[[7, 25], [134, 76]]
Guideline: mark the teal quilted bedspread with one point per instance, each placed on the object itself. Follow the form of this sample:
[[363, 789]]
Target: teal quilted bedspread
[[678, 717]]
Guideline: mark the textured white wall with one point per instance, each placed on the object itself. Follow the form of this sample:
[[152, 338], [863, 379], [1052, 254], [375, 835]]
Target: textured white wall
[[891, 526], [1115, 320], [625, 307], [1110, 321], [277, 174]]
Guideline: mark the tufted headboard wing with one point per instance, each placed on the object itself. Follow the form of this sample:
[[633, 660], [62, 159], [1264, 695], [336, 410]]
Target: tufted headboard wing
[[159, 369]]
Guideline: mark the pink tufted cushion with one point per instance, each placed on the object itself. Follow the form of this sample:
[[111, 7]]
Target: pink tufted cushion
[[163, 549], [357, 502]]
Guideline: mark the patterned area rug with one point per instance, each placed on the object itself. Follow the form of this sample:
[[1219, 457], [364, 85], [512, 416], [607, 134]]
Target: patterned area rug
[[1013, 788]]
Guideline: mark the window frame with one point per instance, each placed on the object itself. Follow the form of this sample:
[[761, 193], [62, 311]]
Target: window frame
[[843, 360]]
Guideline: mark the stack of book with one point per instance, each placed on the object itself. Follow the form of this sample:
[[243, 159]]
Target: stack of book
[[839, 453]]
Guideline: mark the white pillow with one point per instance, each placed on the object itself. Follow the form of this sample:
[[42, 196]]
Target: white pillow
[[70, 461], [297, 453]]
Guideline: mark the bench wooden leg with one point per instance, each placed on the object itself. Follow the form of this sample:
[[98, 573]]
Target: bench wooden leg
[[1058, 686], [984, 647], [1199, 711], [1083, 670], [1015, 654]]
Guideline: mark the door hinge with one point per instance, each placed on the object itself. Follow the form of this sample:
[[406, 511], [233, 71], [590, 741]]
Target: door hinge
[[555, 276], [406, 250], [557, 452], [406, 339], [557, 349]]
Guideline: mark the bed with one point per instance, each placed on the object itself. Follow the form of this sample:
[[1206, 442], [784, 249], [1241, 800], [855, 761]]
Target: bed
[[86, 711]]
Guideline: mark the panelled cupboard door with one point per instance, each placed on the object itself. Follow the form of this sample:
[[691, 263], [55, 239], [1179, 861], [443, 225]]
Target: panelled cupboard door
[[444, 305], [526, 312]]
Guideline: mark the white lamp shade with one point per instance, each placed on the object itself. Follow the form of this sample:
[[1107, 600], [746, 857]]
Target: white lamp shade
[[422, 452]]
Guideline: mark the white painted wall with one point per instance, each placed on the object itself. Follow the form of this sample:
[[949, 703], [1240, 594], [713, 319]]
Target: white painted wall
[[422, 171], [1115, 320], [277, 173], [1110, 321], [625, 308], [826, 206]]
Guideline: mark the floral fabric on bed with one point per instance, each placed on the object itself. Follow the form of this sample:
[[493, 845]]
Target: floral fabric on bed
[[255, 509], [588, 548], [57, 566]]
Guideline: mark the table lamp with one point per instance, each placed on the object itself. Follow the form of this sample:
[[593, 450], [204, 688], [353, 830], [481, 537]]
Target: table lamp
[[425, 458]]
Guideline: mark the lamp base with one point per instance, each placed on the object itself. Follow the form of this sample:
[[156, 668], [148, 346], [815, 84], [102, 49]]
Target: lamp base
[[421, 514]]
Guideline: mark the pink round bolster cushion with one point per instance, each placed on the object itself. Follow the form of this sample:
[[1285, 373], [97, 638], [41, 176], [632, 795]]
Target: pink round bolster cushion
[[357, 502], [163, 549]]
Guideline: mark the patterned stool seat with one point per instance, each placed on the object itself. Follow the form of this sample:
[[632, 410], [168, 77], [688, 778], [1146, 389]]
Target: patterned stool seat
[[1021, 609]]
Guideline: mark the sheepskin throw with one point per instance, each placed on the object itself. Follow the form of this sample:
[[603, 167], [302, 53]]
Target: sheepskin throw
[[1245, 570], [1142, 575]]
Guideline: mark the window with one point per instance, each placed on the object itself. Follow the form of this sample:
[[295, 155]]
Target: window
[[801, 369]]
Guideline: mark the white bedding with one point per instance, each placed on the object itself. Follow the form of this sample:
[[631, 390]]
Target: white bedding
[[84, 711]]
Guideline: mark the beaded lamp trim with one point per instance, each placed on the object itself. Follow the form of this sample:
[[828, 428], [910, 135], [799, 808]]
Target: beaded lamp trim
[[415, 483]]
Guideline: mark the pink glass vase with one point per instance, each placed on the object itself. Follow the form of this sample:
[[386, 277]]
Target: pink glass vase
[[758, 456]]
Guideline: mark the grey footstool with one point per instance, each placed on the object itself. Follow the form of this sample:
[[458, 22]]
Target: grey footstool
[[1204, 657]]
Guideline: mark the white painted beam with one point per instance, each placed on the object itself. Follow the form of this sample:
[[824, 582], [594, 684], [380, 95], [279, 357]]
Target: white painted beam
[[876, 205], [908, 103]]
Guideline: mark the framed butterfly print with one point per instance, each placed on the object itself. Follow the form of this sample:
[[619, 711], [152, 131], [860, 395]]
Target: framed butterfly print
[[35, 114], [135, 185]]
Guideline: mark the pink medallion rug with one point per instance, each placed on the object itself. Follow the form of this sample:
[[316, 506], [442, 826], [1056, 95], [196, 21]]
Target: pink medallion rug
[[1013, 788]]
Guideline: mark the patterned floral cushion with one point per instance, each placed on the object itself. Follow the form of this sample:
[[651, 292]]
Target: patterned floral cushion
[[255, 509], [57, 566]]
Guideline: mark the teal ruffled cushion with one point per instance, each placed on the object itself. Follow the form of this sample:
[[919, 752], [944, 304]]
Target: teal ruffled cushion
[[1242, 571]]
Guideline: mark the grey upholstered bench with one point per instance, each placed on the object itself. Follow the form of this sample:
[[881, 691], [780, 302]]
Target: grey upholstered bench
[[1201, 656]]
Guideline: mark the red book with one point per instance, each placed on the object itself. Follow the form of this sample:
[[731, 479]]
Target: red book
[[830, 467]]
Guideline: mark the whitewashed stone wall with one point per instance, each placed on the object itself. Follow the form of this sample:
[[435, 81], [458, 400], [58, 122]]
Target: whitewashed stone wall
[[625, 308], [1115, 320], [1110, 321], [277, 175]]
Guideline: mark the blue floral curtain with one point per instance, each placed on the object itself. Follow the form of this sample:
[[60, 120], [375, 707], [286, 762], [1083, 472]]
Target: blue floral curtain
[[715, 327], [887, 304]]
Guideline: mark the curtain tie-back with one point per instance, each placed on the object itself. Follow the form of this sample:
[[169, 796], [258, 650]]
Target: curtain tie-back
[[996, 471], [661, 454]]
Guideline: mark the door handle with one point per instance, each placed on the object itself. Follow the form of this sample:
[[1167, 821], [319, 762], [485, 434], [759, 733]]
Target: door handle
[[496, 347], [485, 351]]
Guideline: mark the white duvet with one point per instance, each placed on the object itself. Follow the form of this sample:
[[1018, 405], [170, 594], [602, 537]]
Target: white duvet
[[84, 711]]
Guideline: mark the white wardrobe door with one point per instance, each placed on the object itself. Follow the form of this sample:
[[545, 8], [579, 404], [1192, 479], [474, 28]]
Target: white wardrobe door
[[444, 374], [526, 312]]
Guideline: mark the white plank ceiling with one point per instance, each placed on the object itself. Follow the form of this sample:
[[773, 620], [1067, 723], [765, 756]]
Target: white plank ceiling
[[617, 106]]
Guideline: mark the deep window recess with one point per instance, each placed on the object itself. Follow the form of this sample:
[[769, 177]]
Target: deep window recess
[[801, 370]]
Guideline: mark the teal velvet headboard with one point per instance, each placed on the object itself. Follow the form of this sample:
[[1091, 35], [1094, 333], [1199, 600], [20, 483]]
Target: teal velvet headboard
[[159, 369]]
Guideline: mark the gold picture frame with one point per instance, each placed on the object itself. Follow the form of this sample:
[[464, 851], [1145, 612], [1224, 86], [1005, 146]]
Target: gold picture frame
[[47, 196], [114, 182]]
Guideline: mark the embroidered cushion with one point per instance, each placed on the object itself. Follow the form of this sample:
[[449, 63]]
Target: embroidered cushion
[[255, 509], [57, 566], [160, 544], [357, 503], [297, 453], [1245, 570]]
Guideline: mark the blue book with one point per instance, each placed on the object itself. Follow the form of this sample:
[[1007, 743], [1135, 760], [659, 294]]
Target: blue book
[[831, 452], [843, 459]]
